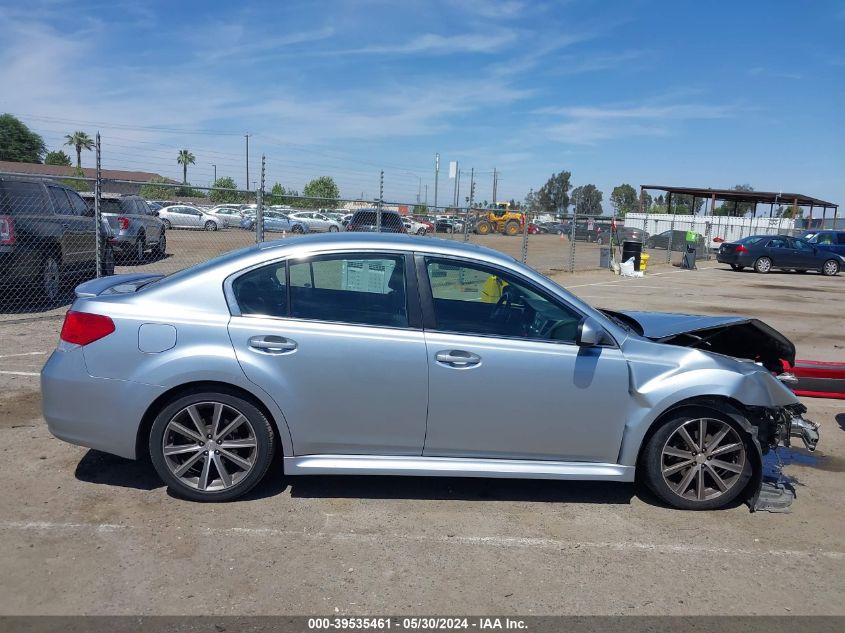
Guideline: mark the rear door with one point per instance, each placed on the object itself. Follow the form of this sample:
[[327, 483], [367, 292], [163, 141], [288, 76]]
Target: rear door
[[336, 340], [78, 238]]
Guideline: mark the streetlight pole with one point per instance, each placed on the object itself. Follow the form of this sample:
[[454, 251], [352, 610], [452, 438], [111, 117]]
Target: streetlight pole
[[246, 136], [215, 173], [436, 175]]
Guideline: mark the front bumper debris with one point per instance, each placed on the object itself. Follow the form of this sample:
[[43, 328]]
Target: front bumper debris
[[805, 429]]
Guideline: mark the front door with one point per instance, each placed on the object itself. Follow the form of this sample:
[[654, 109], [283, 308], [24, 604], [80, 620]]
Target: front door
[[506, 379], [331, 341]]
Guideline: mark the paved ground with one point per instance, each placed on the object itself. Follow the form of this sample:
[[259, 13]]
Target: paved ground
[[82, 532]]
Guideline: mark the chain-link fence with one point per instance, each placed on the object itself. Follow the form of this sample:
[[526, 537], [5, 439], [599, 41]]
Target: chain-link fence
[[59, 230]]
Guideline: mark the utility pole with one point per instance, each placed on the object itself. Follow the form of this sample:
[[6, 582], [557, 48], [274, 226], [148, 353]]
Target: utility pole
[[426, 196], [436, 175], [215, 173], [419, 190], [495, 183], [469, 203], [457, 175], [246, 136], [458, 191], [98, 242]]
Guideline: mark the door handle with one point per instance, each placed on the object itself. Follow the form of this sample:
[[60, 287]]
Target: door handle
[[458, 358], [272, 344]]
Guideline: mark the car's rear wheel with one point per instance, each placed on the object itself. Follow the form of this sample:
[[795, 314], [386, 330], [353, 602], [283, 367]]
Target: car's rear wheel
[[211, 446], [210, 225], [296, 228], [421, 231], [167, 224], [830, 268], [763, 265], [697, 460], [333, 229], [51, 277]]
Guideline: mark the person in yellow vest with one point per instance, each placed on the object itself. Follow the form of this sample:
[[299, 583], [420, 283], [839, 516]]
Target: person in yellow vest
[[491, 291]]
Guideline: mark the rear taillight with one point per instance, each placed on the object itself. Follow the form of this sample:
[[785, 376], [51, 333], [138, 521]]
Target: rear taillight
[[124, 223], [82, 328], [7, 230], [741, 249]]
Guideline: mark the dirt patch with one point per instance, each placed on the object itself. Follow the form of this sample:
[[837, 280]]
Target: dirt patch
[[20, 409]]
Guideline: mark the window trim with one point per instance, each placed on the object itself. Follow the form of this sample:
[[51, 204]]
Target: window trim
[[427, 299], [412, 294]]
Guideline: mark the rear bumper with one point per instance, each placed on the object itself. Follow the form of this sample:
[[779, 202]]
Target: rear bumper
[[98, 413]]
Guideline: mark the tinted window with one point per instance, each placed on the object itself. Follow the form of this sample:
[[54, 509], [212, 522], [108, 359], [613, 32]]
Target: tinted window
[[471, 299], [801, 245], [17, 197], [353, 288], [61, 203], [110, 205], [777, 243], [824, 238], [752, 239], [262, 291], [840, 238], [78, 204]]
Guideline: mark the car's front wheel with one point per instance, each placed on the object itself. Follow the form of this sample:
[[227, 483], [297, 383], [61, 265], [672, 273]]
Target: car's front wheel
[[763, 265], [210, 225], [140, 249], [830, 268], [333, 229], [161, 246], [167, 224], [211, 446], [697, 460]]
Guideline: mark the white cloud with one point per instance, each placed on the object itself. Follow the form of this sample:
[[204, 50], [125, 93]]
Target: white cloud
[[433, 43], [490, 8]]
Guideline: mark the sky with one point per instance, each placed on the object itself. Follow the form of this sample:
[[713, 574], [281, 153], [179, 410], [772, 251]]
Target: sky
[[703, 94]]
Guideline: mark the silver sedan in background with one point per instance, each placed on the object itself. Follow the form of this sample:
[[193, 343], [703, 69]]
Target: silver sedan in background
[[444, 359]]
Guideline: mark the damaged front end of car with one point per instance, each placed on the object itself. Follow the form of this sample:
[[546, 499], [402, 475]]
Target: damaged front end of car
[[771, 412]]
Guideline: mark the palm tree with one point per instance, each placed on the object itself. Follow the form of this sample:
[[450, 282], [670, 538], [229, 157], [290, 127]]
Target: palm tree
[[80, 140], [185, 158]]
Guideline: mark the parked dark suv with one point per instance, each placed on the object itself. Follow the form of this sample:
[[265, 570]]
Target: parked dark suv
[[135, 227], [827, 239], [47, 234], [365, 220]]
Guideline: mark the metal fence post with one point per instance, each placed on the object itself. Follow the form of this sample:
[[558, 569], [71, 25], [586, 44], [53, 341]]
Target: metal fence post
[[572, 242], [97, 214], [259, 210], [380, 200], [524, 238], [469, 205], [671, 238]]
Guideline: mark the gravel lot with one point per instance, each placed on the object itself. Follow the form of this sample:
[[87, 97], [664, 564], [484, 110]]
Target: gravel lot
[[86, 533]]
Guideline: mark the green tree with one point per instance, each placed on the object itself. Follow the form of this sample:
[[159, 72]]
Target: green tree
[[587, 200], [79, 141], [554, 195], [79, 185], [185, 158], [322, 187], [419, 209], [789, 212], [219, 195], [18, 143], [646, 201], [154, 190], [57, 157], [742, 208], [623, 199]]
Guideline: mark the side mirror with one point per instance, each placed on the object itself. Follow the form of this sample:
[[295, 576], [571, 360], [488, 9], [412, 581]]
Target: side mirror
[[590, 333], [154, 212]]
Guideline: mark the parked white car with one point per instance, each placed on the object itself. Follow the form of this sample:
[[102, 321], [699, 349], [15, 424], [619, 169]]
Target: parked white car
[[229, 216], [187, 217], [413, 227], [317, 222]]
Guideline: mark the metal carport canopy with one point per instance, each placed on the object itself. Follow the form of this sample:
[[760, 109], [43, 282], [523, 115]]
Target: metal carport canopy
[[732, 195]]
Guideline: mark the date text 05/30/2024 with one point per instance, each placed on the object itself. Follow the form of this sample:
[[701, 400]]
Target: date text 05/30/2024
[[415, 624]]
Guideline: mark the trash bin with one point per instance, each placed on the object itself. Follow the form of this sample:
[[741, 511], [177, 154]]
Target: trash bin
[[644, 257], [604, 257], [631, 249], [688, 261]]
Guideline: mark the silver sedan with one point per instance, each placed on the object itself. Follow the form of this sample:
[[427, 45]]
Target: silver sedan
[[444, 359]]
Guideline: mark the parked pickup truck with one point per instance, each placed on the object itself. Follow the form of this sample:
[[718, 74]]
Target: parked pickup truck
[[135, 227]]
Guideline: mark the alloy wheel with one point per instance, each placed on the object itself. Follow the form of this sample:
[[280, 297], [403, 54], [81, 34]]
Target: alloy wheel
[[703, 459], [763, 265], [209, 446], [830, 267]]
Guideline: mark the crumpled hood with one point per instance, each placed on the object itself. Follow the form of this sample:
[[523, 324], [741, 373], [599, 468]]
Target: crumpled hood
[[736, 336]]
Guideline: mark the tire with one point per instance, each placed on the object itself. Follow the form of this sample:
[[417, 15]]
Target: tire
[[210, 225], [333, 229], [167, 225], [50, 283], [107, 265], [161, 248], [297, 228], [139, 250], [763, 265], [687, 477], [215, 473], [450, 229], [512, 228], [600, 241], [421, 231], [830, 268], [482, 228]]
